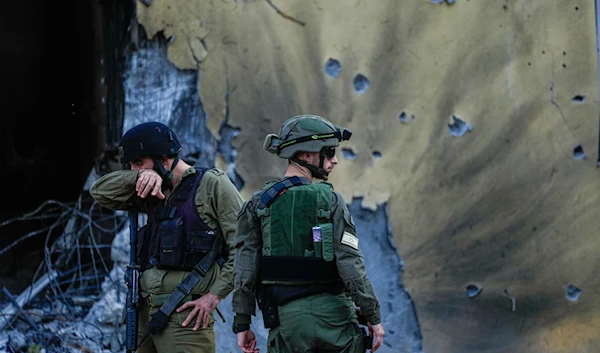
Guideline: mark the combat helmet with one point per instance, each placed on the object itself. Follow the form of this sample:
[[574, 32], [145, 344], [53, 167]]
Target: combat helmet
[[306, 133], [150, 139]]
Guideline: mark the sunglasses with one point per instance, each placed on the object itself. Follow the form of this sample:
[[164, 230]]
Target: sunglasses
[[328, 152]]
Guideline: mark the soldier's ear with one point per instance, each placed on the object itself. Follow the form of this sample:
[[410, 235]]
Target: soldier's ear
[[306, 156]]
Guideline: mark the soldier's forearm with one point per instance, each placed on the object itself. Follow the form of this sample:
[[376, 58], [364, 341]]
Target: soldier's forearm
[[114, 189]]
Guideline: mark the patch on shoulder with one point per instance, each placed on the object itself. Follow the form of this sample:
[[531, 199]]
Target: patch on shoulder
[[350, 239]]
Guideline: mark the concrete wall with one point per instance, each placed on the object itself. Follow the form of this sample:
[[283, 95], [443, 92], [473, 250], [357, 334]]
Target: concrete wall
[[475, 124]]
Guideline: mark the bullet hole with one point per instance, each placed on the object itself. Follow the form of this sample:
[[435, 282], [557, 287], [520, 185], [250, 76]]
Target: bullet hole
[[578, 152], [564, 65], [473, 291], [534, 228], [529, 64], [576, 8], [578, 98], [333, 67], [572, 293], [403, 117], [505, 7], [348, 153], [458, 127], [376, 154], [513, 300], [361, 83], [543, 52], [564, 53]]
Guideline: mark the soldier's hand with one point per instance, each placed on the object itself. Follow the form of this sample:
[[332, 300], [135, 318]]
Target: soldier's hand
[[378, 332], [201, 309], [149, 182], [247, 341]]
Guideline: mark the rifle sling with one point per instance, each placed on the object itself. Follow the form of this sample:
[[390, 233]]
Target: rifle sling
[[199, 271]]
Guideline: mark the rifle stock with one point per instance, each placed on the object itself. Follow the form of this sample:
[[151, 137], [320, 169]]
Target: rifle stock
[[131, 280]]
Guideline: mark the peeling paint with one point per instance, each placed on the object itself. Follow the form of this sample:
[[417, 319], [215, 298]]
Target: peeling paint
[[156, 90], [403, 332], [491, 84], [225, 147]]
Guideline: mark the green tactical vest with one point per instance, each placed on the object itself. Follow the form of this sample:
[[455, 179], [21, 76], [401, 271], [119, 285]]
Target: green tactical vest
[[288, 211]]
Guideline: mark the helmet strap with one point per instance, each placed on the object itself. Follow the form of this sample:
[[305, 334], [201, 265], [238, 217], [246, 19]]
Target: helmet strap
[[316, 172], [162, 171]]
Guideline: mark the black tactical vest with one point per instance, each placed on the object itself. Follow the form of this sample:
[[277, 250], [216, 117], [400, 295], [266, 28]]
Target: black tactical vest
[[176, 238]]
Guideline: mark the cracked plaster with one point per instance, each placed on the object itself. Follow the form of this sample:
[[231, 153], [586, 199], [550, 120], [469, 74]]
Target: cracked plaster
[[506, 206]]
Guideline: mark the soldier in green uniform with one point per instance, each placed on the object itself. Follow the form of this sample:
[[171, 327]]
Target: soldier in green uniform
[[298, 254], [191, 213]]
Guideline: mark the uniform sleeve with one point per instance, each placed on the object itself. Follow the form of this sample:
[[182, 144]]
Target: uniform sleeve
[[248, 242], [350, 262], [113, 190], [219, 202]]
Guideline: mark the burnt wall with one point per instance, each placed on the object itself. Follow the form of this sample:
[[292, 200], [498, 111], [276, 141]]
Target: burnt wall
[[50, 111]]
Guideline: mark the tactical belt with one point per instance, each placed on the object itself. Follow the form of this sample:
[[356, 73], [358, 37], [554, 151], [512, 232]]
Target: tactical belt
[[284, 268], [283, 294]]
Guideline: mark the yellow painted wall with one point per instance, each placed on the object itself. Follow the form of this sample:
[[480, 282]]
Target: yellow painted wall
[[506, 206]]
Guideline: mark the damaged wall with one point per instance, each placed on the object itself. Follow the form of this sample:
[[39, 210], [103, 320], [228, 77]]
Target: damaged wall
[[157, 90], [474, 126]]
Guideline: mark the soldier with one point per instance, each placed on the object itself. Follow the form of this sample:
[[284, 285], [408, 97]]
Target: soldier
[[191, 221], [298, 255]]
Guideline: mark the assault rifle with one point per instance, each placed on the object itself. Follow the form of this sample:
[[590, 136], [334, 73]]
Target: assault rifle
[[131, 280]]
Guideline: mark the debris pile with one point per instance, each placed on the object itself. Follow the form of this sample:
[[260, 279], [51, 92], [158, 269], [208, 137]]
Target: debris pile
[[76, 297]]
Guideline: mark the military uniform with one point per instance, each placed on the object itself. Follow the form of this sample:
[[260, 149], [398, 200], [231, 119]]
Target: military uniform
[[305, 287], [217, 202]]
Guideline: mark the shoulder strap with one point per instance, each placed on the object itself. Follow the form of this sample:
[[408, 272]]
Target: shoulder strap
[[278, 189], [184, 190]]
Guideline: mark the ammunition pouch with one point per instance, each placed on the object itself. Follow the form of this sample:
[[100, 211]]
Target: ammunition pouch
[[172, 238], [181, 250], [268, 307]]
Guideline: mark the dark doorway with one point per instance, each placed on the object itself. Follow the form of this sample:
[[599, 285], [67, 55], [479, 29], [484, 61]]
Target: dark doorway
[[49, 120]]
